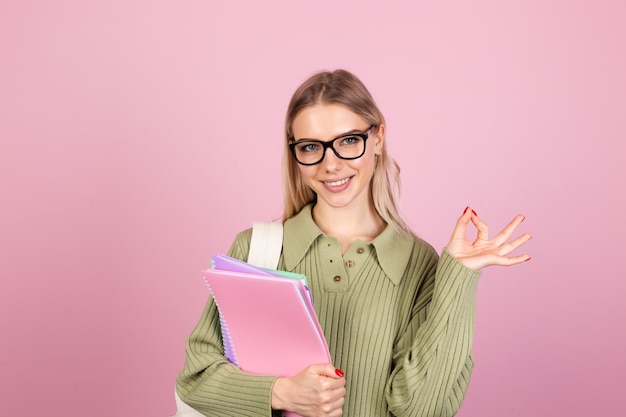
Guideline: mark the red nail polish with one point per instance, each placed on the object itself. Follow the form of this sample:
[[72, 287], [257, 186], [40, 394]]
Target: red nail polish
[[466, 208], [339, 372], [527, 259], [474, 213]]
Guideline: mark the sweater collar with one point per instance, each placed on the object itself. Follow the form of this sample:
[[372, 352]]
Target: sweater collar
[[391, 248]]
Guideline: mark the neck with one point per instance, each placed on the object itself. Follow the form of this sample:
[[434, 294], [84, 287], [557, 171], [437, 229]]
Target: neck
[[348, 223]]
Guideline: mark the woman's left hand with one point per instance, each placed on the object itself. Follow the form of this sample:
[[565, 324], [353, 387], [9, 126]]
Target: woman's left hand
[[484, 252]]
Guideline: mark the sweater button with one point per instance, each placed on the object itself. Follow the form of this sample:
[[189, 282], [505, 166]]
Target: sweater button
[[360, 250], [337, 278], [350, 263]]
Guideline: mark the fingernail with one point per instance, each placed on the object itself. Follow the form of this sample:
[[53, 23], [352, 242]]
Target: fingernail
[[339, 372], [474, 213], [528, 259], [466, 208]]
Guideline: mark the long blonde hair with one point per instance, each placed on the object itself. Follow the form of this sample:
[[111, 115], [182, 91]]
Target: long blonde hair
[[343, 88]]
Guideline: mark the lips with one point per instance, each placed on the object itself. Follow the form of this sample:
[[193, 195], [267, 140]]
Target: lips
[[337, 183], [336, 186]]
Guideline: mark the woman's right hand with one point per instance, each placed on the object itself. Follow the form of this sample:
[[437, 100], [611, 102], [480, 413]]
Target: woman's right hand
[[316, 391]]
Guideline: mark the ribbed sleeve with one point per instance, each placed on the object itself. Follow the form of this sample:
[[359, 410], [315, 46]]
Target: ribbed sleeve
[[432, 360]]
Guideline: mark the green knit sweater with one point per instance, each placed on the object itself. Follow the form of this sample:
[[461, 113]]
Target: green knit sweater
[[399, 321]]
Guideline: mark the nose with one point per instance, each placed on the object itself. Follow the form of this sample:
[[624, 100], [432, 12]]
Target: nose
[[331, 161]]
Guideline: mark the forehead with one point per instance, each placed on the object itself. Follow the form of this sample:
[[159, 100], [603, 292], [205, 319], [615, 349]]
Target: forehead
[[325, 121]]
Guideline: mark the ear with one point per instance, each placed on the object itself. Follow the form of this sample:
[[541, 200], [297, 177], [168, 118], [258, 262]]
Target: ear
[[379, 140]]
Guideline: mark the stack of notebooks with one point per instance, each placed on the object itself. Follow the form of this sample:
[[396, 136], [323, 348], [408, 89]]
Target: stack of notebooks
[[269, 326]]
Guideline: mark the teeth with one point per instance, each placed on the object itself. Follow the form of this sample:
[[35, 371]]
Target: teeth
[[337, 183]]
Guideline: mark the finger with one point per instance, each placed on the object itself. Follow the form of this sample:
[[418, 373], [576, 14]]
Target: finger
[[334, 408], [481, 227], [508, 230], [337, 395], [480, 262], [509, 247], [513, 260], [460, 229]]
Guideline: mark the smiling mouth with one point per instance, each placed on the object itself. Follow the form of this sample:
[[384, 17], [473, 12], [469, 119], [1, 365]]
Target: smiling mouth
[[337, 183]]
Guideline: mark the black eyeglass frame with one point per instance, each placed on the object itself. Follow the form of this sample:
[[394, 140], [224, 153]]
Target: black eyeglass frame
[[329, 144]]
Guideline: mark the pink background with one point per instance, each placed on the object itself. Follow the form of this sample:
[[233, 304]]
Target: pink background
[[137, 137]]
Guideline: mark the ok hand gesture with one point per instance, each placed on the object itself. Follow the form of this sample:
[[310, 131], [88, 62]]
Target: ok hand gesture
[[484, 252]]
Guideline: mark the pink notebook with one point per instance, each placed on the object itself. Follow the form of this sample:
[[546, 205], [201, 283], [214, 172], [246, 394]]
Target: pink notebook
[[269, 321]]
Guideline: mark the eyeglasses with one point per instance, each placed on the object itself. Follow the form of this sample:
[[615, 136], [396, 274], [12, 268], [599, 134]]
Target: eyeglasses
[[348, 146]]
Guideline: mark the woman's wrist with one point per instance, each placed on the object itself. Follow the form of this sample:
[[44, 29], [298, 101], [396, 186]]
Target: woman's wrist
[[278, 390]]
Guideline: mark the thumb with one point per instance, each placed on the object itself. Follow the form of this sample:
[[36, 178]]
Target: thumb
[[328, 370]]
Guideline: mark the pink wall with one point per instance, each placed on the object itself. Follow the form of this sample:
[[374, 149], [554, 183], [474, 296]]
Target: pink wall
[[137, 137]]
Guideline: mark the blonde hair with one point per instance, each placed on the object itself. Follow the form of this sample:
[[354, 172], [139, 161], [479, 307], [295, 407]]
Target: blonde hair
[[343, 88]]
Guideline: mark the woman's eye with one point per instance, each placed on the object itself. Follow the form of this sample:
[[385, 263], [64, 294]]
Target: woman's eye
[[350, 140], [309, 147]]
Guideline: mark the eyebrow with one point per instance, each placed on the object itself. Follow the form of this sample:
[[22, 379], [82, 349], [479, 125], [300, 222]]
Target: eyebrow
[[335, 137]]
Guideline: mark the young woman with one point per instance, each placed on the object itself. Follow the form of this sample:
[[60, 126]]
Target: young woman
[[397, 317]]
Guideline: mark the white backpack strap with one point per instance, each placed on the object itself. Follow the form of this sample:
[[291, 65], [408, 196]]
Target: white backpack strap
[[183, 410], [266, 244]]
